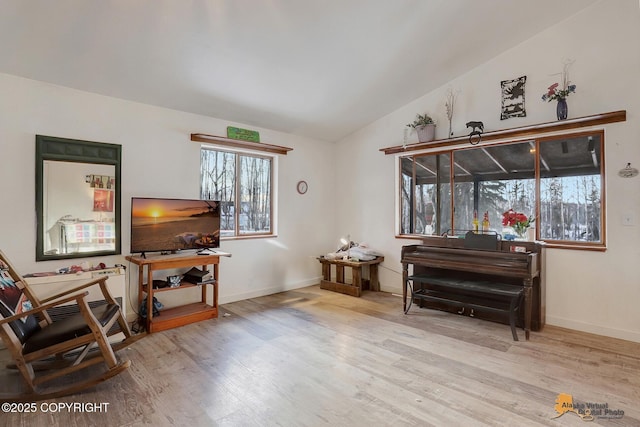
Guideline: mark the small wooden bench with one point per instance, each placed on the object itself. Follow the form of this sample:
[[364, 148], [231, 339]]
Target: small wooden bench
[[472, 294], [359, 282]]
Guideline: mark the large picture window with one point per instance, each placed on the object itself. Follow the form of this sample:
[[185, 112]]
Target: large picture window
[[557, 181], [244, 185], [571, 197]]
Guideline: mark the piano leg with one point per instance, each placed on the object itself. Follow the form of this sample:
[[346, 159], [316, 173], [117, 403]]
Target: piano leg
[[405, 283], [515, 302], [527, 308]]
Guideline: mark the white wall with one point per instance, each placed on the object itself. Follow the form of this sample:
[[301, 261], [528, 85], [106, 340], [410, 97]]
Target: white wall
[[591, 291], [159, 160]]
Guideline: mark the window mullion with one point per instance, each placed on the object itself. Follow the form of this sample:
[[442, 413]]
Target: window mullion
[[412, 195], [452, 174], [536, 169], [237, 201]]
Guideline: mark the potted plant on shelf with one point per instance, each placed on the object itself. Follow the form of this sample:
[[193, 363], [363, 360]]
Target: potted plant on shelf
[[425, 127]]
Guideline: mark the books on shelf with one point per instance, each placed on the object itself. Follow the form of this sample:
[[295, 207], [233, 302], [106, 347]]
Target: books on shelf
[[198, 277], [202, 282]]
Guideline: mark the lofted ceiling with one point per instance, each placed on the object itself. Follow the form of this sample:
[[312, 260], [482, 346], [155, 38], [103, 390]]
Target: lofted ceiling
[[321, 69]]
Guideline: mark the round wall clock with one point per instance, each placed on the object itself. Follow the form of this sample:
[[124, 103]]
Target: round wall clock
[[302, 187]]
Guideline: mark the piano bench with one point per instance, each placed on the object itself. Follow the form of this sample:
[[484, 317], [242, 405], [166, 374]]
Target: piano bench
[[474, 294]]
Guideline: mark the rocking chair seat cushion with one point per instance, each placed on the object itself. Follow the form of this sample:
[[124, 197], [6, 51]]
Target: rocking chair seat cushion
[[68, 328]]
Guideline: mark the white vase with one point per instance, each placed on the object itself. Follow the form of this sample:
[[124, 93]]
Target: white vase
[[426, 133]]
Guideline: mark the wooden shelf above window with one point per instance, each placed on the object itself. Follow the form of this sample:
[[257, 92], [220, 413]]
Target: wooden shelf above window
[[236, 143], [519, 132]]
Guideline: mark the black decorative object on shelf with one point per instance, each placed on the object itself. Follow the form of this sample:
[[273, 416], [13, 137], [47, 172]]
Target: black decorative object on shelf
[[476, 131]]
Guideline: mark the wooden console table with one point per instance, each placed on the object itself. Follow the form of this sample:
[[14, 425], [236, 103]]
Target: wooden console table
[[354, 289], [185, 314]]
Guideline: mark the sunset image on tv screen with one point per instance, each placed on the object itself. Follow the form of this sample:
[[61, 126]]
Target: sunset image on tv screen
[[174, 224]]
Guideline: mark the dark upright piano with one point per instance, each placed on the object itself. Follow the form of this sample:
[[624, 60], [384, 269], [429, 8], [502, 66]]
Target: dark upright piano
[[447, 259]]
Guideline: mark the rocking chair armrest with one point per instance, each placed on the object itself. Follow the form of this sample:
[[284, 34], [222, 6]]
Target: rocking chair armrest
[[78, 288], [43, 307]]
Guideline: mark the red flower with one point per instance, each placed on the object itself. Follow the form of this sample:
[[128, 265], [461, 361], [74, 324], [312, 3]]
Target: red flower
[[552, 89], [508, 218], [519, 221]]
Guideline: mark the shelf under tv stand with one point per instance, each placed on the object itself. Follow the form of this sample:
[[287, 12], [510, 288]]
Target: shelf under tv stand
[[184, 314]]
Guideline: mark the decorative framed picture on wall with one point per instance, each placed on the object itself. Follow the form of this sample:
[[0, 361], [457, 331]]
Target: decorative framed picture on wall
[[103, 200], [513, 98], [101, 181]]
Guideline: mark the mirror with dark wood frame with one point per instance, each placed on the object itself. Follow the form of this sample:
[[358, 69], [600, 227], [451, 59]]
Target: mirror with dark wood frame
[[77, 198]]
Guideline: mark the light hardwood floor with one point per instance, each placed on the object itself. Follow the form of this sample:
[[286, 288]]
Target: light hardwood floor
[[316, 358]]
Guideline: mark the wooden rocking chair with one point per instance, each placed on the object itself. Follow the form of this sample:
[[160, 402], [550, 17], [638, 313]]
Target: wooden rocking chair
[[54, 350]]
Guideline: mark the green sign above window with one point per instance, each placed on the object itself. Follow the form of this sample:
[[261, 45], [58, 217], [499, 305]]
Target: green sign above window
[[243, 134]]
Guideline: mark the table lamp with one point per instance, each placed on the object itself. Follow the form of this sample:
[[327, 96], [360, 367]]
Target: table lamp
[[347, 242]]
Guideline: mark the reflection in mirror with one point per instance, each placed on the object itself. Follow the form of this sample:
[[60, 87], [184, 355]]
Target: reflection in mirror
[[78, 198], [78, 207]]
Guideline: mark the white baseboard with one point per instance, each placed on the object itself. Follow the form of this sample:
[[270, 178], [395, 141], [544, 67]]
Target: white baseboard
[[568, 323], [391, 289], [551, 320], [594, 329], [269, 291]]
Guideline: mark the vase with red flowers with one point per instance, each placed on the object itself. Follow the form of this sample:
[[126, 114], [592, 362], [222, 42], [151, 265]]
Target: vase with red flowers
[[518, 221]]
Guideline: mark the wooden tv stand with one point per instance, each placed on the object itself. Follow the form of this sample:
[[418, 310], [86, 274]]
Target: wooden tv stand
[[184, 314]]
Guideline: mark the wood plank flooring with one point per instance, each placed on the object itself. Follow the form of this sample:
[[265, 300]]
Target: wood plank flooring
[[312, 357]]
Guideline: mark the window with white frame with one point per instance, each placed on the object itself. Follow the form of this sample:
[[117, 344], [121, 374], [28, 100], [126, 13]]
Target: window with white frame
[[243, 183]]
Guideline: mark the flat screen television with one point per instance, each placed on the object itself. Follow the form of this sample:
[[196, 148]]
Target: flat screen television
[[170, 225]]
